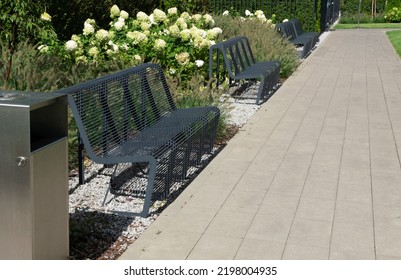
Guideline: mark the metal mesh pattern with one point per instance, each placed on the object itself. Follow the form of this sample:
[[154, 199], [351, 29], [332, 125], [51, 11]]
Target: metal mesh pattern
[[130, 116], [239, 62]]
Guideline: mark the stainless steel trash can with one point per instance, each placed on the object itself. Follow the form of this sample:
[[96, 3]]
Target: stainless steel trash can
[[33, 176]]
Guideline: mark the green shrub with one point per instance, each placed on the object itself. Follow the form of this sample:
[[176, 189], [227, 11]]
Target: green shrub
[[391, 4], [266, 44], [393, 15]]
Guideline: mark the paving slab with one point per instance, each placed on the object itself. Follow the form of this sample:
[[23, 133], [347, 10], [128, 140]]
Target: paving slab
[[314, 174]]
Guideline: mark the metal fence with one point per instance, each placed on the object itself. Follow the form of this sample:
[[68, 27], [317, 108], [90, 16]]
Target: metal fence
[[316, 15]]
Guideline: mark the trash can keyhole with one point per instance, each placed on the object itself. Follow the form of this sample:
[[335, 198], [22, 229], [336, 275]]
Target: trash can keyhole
[[21, 161]]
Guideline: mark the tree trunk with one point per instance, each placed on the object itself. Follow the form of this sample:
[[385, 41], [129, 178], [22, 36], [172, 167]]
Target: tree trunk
[[12, 50]]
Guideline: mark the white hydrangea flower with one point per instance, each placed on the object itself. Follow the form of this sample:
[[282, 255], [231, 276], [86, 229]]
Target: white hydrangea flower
[[124, 14], [185, 34], [182, 58], [172, 71], [197, 17], [172, 11], [145, 25], [141, 16], [160, 44], [119, 25], [248, 13], [125, 46], [199, 63], [90, 21], [218, 30], [226, 13], [71, 45], [137, 37], [197, 42], [152, 19], [138, 58], [88, 29], [186, 16], [213, 33], [242, 18], [43, 48], [45, 16], [181, 23], [259, 13], [196, 32], [159, 16], [75, 38], [208, 18], [114, 11], [102, 34], [174, 30], [94, 51]]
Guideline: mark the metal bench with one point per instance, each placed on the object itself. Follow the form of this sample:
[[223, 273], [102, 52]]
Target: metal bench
[[238, 60], [292, 30], [301, 33], [130, 117]]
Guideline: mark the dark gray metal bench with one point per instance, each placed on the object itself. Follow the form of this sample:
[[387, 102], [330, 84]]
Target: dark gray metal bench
[[301, 33], [240, 63], [292, 30], [130, 117]]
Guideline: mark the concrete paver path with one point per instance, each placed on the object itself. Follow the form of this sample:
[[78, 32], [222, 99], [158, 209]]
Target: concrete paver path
[[314, 174]]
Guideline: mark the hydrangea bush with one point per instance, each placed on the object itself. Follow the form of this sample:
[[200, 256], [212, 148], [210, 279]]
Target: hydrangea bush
[[393, 15], [179, 42]]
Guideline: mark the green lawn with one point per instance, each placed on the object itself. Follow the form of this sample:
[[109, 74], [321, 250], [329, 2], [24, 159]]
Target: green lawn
[[395, 39], [367, 25]]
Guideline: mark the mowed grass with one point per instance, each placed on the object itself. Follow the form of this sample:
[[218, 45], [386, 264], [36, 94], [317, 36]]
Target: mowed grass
[[367, 25], [395, 39]]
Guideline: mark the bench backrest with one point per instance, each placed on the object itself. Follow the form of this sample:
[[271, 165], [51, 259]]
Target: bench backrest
[[110, 109], [287, 30], [237, 55], [297, 27]]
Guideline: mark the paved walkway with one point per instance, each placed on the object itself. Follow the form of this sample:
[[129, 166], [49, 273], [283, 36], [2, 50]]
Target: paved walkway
[[314, 174]]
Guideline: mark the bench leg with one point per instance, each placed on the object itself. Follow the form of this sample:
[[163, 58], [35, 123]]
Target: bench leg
[[81, 166], [109, 187], [148, 192], [261, 90]]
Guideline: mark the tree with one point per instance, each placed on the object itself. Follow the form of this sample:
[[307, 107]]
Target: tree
[[22, 20]]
